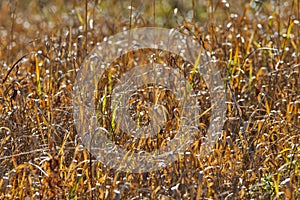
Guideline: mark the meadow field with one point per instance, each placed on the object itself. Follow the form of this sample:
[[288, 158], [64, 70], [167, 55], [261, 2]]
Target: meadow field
[[255, 46]]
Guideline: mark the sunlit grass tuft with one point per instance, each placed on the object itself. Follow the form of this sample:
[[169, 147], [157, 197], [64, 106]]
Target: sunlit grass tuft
[[254, 44]]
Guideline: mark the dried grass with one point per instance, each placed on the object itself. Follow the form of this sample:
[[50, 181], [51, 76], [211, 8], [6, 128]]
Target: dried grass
[[42, 46]]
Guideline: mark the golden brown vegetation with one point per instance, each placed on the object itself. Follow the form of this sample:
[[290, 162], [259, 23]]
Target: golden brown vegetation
[[257, 45]]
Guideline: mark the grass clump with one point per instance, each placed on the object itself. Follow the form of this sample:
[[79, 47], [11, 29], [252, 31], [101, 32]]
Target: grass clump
[[256, 45]]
